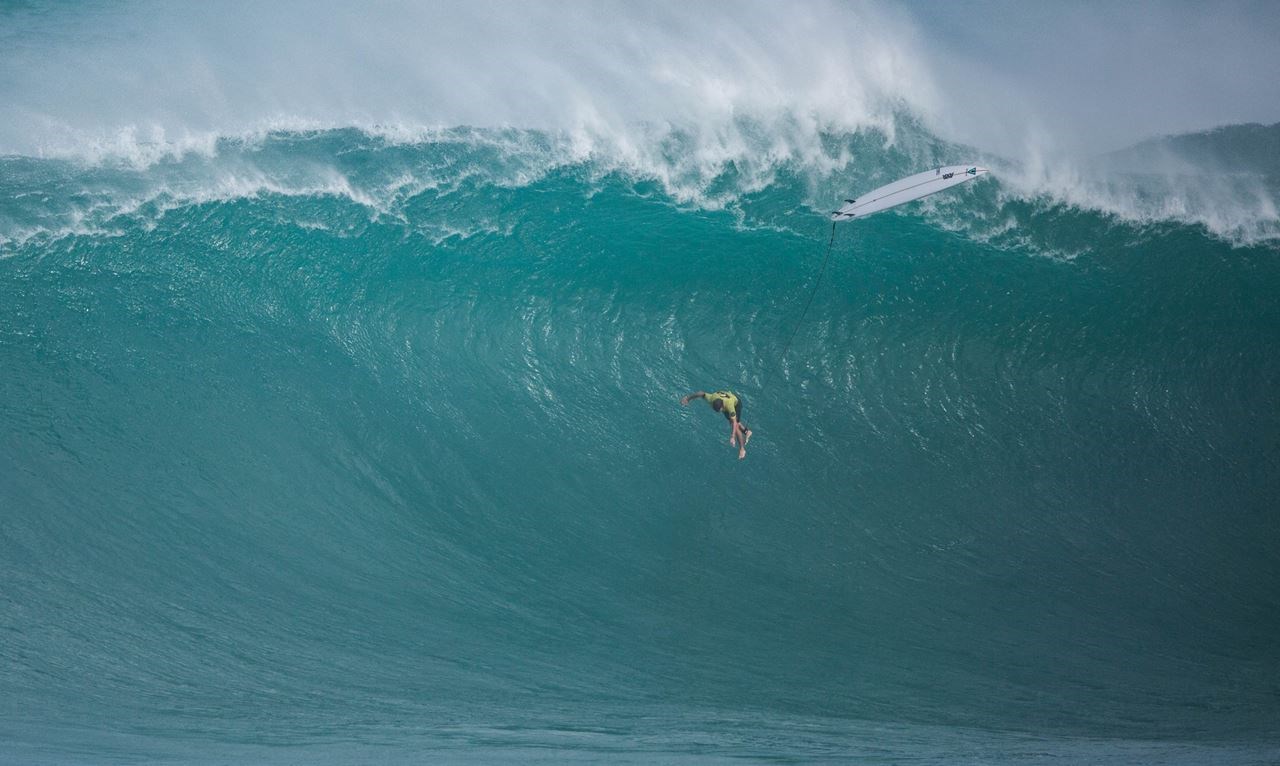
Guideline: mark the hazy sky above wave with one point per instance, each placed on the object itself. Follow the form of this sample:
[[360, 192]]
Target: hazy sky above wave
[[1079, 77], [1105, 74]]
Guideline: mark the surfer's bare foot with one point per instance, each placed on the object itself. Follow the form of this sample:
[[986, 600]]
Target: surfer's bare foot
[[733, 441], [746, 437], [741, 453]]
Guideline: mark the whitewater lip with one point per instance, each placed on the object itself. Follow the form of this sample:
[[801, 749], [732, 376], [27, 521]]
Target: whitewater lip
[[389, 171]]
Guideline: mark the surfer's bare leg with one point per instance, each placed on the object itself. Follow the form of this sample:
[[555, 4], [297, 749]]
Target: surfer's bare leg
[[740, 436]]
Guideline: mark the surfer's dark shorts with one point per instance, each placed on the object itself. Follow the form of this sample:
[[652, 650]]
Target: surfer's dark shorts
[[741, 404]]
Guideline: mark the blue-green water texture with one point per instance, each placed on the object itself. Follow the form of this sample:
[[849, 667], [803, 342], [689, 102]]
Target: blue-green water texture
[[336, 447]]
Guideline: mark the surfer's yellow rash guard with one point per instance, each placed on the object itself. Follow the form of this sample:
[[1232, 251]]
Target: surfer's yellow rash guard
[[728, 402]]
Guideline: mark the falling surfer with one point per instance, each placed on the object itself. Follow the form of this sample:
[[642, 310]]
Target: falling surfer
[[730, 404]]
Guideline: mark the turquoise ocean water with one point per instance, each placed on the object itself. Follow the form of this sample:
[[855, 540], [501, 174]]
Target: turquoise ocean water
[[367, 470], [344, 446]]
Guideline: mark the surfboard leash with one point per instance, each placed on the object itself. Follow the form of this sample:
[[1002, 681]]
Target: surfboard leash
[[830, 245]]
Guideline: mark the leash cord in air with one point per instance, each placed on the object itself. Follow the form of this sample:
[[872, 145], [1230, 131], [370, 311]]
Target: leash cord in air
[[830, 243]]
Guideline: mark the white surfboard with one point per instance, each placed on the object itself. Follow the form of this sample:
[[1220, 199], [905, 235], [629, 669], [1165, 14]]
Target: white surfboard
[[908, 189]]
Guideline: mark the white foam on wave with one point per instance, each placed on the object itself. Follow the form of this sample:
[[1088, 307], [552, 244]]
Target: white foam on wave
[[135, 146], [618, 81], [1237, 208], [710, 102], [78, 200]]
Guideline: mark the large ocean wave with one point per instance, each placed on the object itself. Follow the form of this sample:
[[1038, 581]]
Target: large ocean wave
[[341, 437], [327, 428]]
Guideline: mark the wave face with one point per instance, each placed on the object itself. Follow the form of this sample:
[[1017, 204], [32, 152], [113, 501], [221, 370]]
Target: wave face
[[331, 443]]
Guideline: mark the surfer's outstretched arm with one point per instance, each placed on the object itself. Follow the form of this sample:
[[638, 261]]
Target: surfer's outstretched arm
[[694, 395]]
